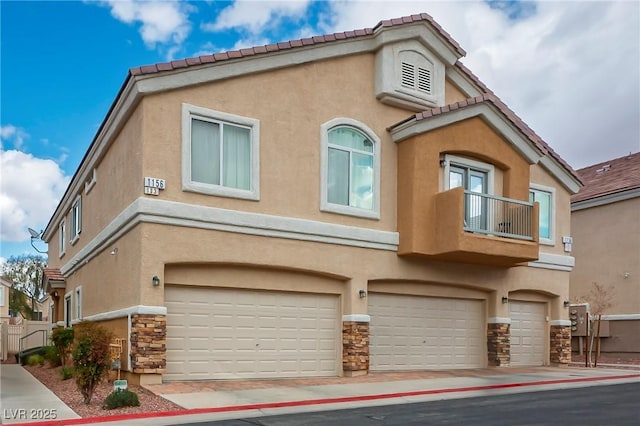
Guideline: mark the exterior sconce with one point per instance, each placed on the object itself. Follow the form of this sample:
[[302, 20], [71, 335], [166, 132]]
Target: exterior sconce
[[55, 293], [443, 163], [114, 251], [155, 280], [362, 294], [566, 303], [505, 299]]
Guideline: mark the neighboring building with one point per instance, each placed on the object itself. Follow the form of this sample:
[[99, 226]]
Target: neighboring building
[[321, 207], [5, 288], [605, 223]]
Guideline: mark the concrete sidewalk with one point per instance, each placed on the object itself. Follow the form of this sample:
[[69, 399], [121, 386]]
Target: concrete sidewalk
[[24, 399], [246, 399]]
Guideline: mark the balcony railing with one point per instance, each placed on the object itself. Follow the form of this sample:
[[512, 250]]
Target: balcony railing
[[502, 217]]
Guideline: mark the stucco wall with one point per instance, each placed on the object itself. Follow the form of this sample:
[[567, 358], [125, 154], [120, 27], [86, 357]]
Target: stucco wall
[[289, 134], [606, 245]]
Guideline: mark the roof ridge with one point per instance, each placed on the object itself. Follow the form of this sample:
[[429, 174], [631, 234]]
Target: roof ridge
[[296, 43]]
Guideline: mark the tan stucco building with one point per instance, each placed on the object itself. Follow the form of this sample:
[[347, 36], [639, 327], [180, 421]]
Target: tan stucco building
[[605, 221], [328, 206]]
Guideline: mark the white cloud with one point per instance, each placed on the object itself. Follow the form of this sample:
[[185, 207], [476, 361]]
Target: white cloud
[[255, 16], [571, 70], [14, 135], [166, 23], [30, 189]]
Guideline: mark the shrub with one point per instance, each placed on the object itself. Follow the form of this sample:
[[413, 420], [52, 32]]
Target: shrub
[[90, 357], [23, 356], [66, 372], [121, 398], [35, 360], [52, 356], [62, 339]]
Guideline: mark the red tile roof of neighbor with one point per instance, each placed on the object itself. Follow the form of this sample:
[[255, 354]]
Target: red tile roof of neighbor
[[609, 177], [53, 274], [423, 17]]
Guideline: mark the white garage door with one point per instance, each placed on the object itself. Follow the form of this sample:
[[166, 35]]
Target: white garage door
[[217, 333], [528, 333], [413, 333]]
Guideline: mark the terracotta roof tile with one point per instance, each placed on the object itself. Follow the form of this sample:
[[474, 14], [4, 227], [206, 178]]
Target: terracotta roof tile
[[236, 54], [53, 274], [609, 177]]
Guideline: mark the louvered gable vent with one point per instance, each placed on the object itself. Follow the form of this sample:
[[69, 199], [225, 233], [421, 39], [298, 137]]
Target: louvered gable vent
[[416, 77]]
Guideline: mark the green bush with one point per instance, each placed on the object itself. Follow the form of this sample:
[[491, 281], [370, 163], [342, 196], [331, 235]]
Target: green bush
[[23, 356], [121, 398], [91, 358], [66, 372], [52, 356], [62, 339], [35, 360]]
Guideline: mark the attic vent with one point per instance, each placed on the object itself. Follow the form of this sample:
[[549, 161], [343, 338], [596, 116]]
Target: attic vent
[[408, 75], [605, 168], [424, 80], [417, 78]]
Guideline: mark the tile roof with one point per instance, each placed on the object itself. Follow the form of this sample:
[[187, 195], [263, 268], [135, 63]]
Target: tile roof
[[292, 44], [609, 177], [490, 97], [53, 274]]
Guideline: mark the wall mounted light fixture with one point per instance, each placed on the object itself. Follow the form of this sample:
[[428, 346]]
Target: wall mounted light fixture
[[114, 251], [362, 294], [505, 299], [566, 303], [155, 280]]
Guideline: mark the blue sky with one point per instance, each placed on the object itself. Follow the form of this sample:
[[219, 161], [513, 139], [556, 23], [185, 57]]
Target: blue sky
[[570, 70]]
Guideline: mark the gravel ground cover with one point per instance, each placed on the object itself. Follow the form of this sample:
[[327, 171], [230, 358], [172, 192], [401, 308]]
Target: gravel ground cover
[[68, 392]]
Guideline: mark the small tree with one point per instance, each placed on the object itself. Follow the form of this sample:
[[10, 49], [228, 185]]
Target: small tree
[[62, 339], [600, 299], [90, 357]]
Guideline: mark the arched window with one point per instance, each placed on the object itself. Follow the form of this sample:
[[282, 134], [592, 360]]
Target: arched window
[[350, 167]]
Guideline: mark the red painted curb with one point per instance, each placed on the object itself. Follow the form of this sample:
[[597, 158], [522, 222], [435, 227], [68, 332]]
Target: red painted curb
[[265, 405]]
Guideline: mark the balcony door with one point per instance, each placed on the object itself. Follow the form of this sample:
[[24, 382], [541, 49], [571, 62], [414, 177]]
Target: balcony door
[[476, 182]]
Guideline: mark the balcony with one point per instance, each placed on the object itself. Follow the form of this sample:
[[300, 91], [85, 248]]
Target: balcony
[[480, 228]]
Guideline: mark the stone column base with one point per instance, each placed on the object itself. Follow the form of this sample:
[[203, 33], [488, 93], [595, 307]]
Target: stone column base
[[560, 344], [499, 344], [355, 348], [148, 344]]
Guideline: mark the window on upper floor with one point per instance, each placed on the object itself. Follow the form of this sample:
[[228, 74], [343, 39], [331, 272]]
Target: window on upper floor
[[62, 237], [220, 153], [350, 169], [545, 196], [2, 290], [75, 221], [476, 178]]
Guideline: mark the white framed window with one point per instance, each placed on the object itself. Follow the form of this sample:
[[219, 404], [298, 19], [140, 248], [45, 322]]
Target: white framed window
[[475, 177], [62, 237], [350, 169], [545, 196], [67, 309], [78, 303], [75, 221], [220, 153]]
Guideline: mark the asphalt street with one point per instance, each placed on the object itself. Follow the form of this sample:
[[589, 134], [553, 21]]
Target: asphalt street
[[617, 405]]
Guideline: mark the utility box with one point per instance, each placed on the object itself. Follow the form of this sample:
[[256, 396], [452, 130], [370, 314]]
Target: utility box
[[579, 316]]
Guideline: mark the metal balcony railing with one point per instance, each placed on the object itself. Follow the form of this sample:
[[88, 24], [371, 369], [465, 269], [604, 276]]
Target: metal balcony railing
[[502, 217]]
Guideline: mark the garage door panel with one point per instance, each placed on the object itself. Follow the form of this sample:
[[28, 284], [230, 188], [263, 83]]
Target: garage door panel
[[528, 333], [413, 332], [250, 334]]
